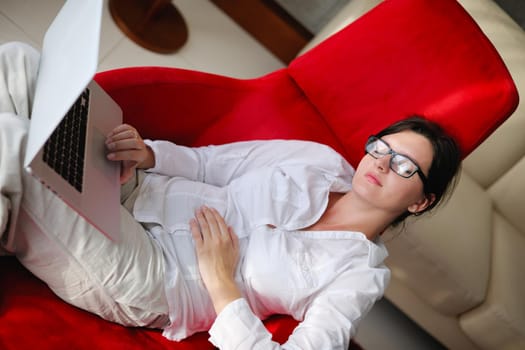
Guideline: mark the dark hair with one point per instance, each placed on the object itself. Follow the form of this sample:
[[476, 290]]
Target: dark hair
[[446, 162]]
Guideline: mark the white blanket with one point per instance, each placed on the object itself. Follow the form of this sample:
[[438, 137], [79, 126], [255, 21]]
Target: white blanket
[[18, 71]]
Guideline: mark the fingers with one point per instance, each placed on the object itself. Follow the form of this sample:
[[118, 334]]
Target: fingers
[[124, 131], [133, 155], [196, 233], [125, 143], [210, 225], [215, 221], [211, 222], [124, 136]]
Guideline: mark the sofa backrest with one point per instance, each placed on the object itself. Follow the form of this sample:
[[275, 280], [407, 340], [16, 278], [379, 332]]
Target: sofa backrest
[[407, 57], [505, 149]]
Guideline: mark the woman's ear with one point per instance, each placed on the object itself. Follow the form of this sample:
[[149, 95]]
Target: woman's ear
[[422, 204]]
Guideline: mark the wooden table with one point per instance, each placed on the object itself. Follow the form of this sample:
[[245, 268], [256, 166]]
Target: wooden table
[[156, 25]]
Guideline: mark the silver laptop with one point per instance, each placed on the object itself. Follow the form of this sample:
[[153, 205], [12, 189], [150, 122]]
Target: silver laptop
[[71, 117]]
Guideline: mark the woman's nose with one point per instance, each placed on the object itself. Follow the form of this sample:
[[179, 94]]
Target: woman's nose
[[383, 163]]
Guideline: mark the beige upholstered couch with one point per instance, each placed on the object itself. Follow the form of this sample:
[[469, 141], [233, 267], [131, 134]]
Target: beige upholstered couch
[[460, 273]]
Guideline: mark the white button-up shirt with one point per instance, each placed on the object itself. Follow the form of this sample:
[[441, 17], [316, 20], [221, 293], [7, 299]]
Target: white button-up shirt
[[268, 191]]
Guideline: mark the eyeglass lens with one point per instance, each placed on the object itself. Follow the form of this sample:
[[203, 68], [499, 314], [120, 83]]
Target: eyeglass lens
[[400, 164]]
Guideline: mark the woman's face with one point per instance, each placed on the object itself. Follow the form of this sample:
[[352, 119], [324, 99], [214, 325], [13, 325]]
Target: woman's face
[[384, 189]]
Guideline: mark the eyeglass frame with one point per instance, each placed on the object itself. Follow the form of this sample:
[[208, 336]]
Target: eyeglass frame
[[392, 154]]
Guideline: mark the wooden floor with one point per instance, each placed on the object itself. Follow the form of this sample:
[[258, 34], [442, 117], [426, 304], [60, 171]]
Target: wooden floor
[[267, 22]]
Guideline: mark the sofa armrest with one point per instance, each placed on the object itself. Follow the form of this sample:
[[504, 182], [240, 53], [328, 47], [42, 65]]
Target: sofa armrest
[[444, 257], [507, 145]]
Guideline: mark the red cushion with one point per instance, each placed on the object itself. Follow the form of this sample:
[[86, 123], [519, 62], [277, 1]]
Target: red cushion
[[196, 108], [406, 56]]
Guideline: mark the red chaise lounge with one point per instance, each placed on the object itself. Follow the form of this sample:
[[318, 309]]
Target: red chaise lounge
[[403, 57]]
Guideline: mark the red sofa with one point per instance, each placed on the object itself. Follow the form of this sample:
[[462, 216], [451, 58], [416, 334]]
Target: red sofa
[[404, 57]]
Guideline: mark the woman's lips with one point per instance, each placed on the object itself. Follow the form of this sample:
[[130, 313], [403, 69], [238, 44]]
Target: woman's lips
[[373, 179]]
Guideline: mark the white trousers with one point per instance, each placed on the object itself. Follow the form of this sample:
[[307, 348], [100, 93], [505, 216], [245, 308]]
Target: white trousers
[[121, 282]]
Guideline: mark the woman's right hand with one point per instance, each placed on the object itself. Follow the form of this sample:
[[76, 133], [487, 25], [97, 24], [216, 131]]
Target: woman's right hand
[[125, 145]]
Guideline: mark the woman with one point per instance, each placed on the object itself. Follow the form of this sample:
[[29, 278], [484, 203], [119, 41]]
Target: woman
[[304, 227], [223, 236]]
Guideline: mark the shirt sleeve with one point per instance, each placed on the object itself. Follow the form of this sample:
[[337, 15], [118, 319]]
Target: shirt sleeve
[[330, 321], [236, 327], [219, 165]]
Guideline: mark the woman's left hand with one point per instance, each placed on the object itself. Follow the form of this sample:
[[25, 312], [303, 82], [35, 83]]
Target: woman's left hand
[[217, 248]]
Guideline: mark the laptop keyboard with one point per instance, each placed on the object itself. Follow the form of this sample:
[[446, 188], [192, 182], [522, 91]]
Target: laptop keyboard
[[64, 151]]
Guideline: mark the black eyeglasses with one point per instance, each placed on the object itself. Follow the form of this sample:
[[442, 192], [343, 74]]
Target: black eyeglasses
[[401, 165]]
